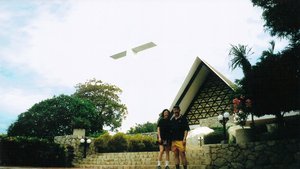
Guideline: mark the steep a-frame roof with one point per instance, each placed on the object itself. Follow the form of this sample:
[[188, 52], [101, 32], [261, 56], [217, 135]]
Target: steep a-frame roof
[[204, 93]]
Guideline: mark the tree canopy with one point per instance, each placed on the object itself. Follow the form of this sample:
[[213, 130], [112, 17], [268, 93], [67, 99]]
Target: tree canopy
[[143, 128], [275, 83], [282, 17], [54, 117], [110, 110], [275, 80]]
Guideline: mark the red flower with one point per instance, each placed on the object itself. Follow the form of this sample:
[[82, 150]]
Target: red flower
[[236, 101], [241, 110]]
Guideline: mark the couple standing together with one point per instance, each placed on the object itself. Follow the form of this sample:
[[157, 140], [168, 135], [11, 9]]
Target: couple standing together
[[172, 133]]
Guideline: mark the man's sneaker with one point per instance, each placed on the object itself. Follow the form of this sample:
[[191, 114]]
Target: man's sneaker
[[158, 167], [167, 167]]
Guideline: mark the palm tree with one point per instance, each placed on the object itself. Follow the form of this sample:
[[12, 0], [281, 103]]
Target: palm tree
[[269, 52], [240, 55]]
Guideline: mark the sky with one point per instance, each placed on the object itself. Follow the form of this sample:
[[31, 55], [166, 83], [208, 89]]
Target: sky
[[47, 47]]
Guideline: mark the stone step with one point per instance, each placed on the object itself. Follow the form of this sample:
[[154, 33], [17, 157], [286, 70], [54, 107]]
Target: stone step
[[136, 161], [136, 166], [137, 158], [145, 154]]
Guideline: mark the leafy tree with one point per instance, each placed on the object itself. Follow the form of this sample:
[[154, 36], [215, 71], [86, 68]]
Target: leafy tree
[[54, 117], [275, 83], [143, 128], [275, 80], [282, 17], [110, 110]]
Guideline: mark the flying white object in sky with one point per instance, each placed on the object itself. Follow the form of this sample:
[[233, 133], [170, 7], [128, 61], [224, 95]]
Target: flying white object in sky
[[135, 50], [119, 55], [143, 47]]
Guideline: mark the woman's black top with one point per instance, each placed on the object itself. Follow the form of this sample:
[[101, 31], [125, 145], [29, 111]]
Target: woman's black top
[[165, 127]]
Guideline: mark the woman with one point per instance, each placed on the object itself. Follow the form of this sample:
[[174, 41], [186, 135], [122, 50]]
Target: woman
[[164, 137]]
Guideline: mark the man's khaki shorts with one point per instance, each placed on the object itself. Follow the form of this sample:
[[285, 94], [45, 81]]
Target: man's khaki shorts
[[178, 145]]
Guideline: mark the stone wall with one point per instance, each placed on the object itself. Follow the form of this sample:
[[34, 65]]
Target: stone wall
[[74, 141], [283, 154]]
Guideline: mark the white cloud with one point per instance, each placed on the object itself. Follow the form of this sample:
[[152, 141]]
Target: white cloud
[[15, 101]]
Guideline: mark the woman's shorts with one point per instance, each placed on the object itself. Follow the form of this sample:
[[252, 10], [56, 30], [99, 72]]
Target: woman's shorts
[[165, 143]]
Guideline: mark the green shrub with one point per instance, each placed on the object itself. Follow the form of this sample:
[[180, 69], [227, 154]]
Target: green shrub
[[135, 143], [27, 151], [138, 143], [101, 143], [150, 143], [118, 143], [97, 134], [121, 142], [215, 137]]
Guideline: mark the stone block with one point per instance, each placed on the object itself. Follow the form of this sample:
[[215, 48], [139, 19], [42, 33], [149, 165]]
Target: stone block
[[206, 161], [262, 160], [249, 164], [237, 166], [259, 147], [219, 162]]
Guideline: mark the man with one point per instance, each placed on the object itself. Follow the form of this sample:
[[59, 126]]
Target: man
[[179, 129]]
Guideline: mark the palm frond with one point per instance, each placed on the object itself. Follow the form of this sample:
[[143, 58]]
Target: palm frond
[[240, 54]]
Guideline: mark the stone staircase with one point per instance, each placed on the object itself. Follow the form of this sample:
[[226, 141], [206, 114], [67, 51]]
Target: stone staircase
[[137, 160]]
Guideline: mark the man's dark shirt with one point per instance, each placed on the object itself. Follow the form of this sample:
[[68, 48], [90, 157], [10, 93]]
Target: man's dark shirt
[[178, 127], [165, 127]]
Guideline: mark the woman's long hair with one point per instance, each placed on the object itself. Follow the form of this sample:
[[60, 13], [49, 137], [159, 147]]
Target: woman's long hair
[[162, 113]]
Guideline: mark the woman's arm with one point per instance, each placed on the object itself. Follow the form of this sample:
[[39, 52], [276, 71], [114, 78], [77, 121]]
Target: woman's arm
[[158, 134]]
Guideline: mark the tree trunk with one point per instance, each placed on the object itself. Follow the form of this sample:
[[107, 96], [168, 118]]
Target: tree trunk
[[252, 121], [280, 122]]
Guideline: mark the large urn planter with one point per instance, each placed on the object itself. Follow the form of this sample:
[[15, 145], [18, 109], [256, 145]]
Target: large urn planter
[[244, 135]]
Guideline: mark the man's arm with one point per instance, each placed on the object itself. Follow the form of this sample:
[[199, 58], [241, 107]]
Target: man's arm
[[187, 128], [185, 134]]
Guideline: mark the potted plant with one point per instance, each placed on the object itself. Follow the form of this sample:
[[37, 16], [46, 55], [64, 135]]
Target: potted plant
[[241, 111]]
